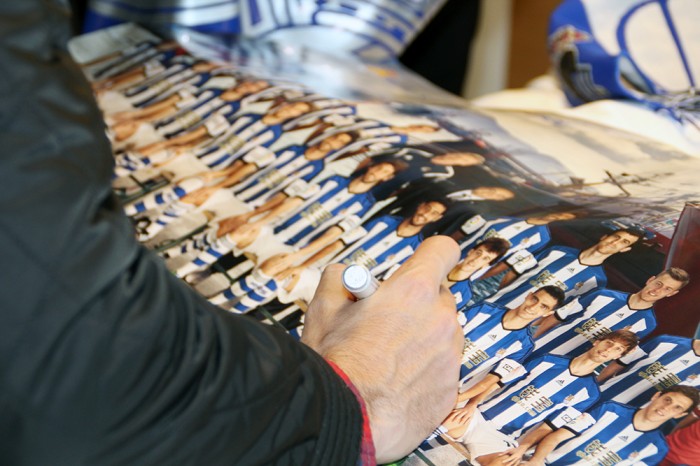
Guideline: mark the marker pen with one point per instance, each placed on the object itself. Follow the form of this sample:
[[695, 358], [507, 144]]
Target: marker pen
[[359, 281]]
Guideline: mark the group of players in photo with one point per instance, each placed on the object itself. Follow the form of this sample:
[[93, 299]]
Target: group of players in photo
[[248, 187]]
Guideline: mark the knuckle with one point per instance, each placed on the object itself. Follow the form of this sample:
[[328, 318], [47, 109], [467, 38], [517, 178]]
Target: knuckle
[[333, 269], [415, 288], [315, 308]]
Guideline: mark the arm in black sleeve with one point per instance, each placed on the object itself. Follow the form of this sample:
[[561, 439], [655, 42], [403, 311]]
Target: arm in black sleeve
[[105, 357]]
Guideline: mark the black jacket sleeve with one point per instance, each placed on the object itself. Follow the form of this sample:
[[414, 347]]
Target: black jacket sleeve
[[105, 357]]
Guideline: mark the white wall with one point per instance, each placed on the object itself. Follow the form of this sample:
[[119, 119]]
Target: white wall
[[488, 64]]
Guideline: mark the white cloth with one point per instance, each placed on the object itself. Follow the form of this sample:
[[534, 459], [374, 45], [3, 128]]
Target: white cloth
[[482, 437]]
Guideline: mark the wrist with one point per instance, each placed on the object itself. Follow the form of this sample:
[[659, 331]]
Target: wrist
[[367, 449], [388, 432], [472, 403], [524, 446]]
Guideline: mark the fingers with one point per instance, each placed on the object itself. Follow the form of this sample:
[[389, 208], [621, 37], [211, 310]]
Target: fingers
[[452, 417], [405, 335], [442, 313], [291, 280], [287, 273], [331, 294], [511, 456], [507, 457], [277, 265], [447, 301], [228, 224], [455, 416], [329, 300], [463, 417], [429, 265], [270, 261]]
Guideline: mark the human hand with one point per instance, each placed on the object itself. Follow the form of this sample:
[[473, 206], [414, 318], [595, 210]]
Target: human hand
[[290, 277], [230, 224], [152, 148], [533, 462], [246, 234], [210, 175], [124, 130], [99, 87], [120, 117], [401, 347], [278, 264], [199, 196], [461, 416], [512, 456]]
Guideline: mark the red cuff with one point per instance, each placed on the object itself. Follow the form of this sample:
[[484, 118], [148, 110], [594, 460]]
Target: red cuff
[[368, 455]]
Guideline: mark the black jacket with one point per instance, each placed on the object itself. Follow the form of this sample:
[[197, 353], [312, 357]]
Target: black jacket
[[105, 357]]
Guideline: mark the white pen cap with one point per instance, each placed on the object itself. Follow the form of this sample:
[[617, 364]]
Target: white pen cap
[[359, 281]]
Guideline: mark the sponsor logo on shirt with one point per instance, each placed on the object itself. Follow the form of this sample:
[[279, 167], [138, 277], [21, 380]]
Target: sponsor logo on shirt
[[531, 400], [597, 453]]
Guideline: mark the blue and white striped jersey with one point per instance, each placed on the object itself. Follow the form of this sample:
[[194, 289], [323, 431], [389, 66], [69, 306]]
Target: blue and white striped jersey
[[127, 59], [221, 119], [247, 293], [486, 341], [156, 68], [462, 291], [556, 265], [203, 104], [663, 361], [590, 316], [612, 440], [546, 391], [380, 247], [520, 234], [192, 108], [186, 80], [331, 204], [232, 131], [329, 191], [165, 196], [249, 132], [289, 165], [381, 239]]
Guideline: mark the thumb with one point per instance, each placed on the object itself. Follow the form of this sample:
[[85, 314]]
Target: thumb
[[328, 301]]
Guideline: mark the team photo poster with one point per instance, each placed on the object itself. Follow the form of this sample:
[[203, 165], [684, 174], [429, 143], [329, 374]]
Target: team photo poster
[[576, 239]]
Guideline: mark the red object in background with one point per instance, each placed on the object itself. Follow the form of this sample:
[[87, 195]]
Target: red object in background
[[684, 445], [679, 315]]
